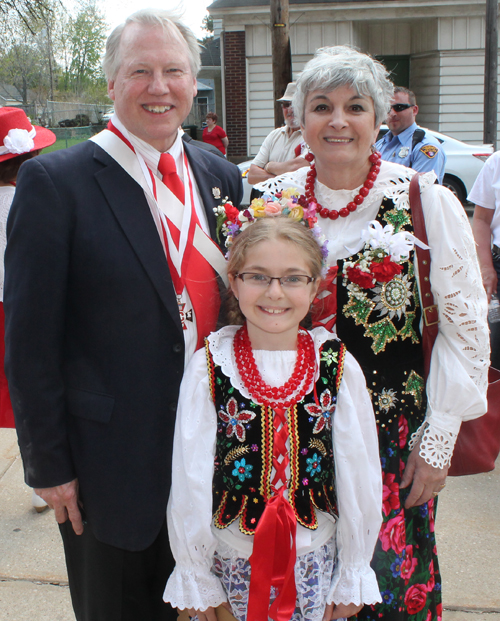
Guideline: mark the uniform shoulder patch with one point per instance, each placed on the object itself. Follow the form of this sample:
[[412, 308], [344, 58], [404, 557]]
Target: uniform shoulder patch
[[429, 150]]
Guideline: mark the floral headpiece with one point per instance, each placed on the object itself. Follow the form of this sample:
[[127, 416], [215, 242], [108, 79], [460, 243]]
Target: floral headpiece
[[288, 203]]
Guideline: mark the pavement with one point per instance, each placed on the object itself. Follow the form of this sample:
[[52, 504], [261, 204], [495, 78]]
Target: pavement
[[33, 579]]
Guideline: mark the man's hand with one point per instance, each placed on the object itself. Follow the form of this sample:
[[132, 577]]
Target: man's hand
[[427, 480], [64, 500], [339, 611], [256, 174]]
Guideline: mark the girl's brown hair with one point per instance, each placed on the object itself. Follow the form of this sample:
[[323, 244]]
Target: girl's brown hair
[[267, 229]]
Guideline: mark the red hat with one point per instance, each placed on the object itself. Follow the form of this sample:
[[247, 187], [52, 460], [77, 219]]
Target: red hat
[[18, 135]]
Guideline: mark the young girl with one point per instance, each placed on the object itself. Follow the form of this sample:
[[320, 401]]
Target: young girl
[[276, 492]]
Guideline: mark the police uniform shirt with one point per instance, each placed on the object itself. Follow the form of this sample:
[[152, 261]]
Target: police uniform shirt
[[426, 155]]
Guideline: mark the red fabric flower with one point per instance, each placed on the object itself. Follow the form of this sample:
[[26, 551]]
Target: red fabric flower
[[408, 565], [393, 535], [415, 598], [439, 610], [385, 270], [231, 212], [358, 277], [390, 493], [403, 431]]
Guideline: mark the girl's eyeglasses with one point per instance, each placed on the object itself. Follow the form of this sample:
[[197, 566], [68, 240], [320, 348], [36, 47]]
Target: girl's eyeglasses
[[294, 281]]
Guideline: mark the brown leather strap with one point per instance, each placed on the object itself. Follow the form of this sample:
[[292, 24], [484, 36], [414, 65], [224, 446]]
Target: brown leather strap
[[429, 310]]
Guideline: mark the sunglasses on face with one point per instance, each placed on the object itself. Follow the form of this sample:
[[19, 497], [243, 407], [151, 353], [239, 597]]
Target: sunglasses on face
[[401, 107], [286, 104]]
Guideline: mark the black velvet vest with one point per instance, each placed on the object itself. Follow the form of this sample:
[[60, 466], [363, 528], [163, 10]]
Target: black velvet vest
[[244, 448]]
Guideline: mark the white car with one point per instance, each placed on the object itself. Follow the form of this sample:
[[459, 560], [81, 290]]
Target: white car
[[463, 163]]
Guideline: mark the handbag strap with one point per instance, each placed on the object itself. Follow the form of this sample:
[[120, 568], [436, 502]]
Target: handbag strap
[[429, 309]]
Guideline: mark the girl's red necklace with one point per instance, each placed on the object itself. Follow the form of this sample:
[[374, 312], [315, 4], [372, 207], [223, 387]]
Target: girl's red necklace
[[333, 214], [275, 397]]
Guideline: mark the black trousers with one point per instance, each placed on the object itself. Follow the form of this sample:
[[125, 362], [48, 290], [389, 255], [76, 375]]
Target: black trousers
[[111, 584]]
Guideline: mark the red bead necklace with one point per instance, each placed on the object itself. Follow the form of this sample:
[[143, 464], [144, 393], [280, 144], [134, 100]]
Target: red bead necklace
[[333, 214], [275, 397]]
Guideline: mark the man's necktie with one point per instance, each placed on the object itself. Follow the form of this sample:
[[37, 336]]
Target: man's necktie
[[168, 170]]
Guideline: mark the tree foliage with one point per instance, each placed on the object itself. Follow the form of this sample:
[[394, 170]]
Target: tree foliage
[[28, 11], [57, 54]]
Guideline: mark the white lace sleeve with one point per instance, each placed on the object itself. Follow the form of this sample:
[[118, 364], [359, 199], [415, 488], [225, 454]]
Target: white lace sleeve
[[359, 491], [457, 382], [189, 513]]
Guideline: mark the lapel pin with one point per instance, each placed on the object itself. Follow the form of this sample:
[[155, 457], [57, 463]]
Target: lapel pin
[[216, 192]]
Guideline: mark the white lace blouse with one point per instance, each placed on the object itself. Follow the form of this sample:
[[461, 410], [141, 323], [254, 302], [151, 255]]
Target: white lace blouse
[[457, 382], [193, 538], [6, 198]]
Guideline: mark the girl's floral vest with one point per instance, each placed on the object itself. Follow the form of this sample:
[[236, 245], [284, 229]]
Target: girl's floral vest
[[244, 448]]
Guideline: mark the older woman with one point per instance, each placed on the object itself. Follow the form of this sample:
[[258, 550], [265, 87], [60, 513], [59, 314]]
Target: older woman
[[342, 98]]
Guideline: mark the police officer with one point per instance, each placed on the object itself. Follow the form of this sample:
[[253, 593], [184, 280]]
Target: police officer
[[406, 143]]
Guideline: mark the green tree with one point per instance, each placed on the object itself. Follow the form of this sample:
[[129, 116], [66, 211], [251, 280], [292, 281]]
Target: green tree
[[28, 11], [84, 48]]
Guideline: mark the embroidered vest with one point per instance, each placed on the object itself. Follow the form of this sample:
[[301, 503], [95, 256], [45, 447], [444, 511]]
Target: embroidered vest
[[380, 327], [244, 448]]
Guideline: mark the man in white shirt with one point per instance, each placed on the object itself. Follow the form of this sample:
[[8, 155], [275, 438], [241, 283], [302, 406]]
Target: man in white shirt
[[111, 284], [485, 194], [281, 150]]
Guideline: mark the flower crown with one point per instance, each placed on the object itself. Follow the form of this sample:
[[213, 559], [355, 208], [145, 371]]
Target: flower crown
[[288, 203]]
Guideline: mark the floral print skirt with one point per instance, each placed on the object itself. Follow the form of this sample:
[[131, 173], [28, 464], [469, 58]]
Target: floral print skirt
[[405, 558]]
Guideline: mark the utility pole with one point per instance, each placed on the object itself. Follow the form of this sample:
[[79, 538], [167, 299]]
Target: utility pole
[[282, 57], [490, 74]]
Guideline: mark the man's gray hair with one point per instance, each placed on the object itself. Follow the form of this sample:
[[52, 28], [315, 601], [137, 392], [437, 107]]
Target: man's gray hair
[[341, 65], [168, 20]]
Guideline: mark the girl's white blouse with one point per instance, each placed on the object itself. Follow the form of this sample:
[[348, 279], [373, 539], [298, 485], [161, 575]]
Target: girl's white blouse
[[193, 538], [458, 378]]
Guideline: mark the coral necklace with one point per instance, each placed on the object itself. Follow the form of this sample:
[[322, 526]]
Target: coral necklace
[[333, 214], [280, 397]]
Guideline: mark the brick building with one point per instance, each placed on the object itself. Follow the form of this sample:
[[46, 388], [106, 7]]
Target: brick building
[[435, 47]]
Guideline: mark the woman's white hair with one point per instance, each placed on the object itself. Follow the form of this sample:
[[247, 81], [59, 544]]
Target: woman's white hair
[[170, 21], [341, 65]]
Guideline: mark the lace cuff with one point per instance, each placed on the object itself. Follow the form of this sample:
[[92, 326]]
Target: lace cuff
[[354, 585], [187, 588], [436, 444]]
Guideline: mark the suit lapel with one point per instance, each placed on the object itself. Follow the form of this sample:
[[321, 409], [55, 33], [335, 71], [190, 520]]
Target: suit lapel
[[208, 185], [129, 205]]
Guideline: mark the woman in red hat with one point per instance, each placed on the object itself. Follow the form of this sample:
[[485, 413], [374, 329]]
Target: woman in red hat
[[19, 141]]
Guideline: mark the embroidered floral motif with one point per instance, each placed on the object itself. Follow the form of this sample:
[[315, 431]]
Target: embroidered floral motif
[[329, 357], [415, 386], [393, 297], [242, 470], [314, 464], [235, 419], [398, 218], [387, 399], [323, 412]]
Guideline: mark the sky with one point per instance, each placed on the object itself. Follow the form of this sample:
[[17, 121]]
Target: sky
[[117, 11]]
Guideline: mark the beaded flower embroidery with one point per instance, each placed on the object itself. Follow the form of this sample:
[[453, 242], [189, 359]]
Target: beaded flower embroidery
[[322, 412], [235, 419]]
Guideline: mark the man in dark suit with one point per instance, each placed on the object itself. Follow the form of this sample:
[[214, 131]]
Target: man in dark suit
[[110, 287]]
